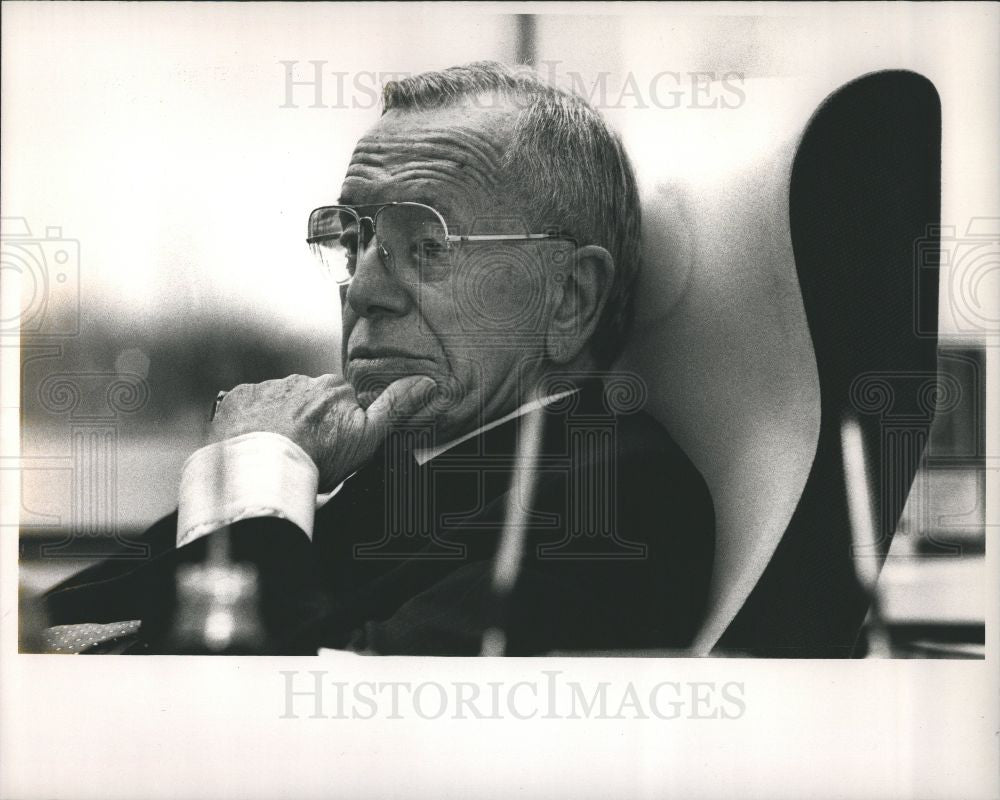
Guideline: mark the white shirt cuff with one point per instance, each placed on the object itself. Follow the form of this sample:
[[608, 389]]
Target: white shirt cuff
[[254, 475]]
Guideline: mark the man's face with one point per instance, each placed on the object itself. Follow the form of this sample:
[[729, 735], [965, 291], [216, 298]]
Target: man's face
[[450, 327]]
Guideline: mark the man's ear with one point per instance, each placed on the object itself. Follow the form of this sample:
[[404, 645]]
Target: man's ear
[[585, 280]]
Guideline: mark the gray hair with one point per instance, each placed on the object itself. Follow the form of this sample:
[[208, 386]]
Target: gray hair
[[563, 153]]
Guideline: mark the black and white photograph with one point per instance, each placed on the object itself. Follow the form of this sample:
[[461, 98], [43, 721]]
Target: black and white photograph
[[501, 399]]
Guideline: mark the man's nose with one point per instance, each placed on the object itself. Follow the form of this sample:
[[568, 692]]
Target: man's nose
[[374, 290]]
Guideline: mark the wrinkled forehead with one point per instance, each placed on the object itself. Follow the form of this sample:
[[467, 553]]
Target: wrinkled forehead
[[449, 158]]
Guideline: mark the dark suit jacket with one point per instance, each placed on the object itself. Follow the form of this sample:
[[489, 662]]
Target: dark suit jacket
[[618, 554]]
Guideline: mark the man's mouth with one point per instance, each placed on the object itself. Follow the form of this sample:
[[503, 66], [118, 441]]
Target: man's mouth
[[371, 370], [389, 361], [366, 352]]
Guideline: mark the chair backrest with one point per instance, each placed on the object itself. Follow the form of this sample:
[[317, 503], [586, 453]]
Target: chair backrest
[[769, 291]]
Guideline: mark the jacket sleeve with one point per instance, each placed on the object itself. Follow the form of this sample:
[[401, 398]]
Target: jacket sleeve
[[260, 488], [116, 591]]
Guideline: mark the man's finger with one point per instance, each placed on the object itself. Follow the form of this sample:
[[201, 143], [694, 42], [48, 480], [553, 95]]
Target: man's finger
[[403, 398]]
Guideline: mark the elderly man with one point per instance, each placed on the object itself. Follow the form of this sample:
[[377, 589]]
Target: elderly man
[[486, 243]]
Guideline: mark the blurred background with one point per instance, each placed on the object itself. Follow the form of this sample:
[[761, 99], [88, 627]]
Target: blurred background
[[160, 162]]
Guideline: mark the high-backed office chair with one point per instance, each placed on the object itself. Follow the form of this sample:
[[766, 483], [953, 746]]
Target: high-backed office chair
[[777, 306]]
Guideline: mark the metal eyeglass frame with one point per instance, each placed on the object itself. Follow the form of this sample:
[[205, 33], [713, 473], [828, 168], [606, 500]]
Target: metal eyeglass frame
[[449, 238]]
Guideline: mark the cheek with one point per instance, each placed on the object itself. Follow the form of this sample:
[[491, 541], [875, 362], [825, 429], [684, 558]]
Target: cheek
[[510, 295], [474, 318], [347, 320], [347, 315], [501, 294]]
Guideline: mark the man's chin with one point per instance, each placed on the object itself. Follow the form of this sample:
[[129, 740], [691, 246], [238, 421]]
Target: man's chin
[[368, 387], [370, 377], [442, 407]]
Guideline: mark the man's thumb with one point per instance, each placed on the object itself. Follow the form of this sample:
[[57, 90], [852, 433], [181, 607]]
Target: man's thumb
[[402, 399]]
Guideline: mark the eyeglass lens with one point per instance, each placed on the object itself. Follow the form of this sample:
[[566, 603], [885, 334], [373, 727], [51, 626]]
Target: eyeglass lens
[[410, 239]]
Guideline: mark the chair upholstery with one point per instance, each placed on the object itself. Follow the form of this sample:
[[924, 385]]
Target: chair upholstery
[[777, 300]]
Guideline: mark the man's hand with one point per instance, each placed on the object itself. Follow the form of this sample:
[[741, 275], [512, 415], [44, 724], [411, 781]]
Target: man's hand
[[322, 416]]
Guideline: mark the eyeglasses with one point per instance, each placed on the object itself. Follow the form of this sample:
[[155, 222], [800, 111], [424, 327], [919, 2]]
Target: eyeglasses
[[412, 239]]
